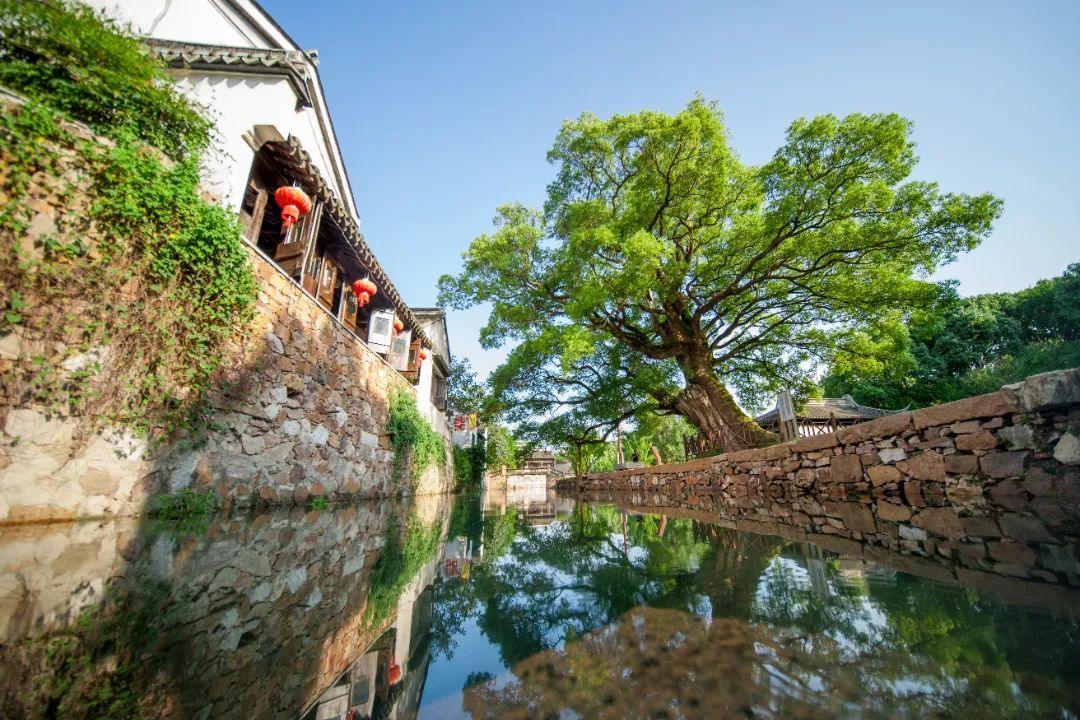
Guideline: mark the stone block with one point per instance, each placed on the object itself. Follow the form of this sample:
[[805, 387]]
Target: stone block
[[892, 512], [968, 426], [778, 452], [100, 482], [1017, 437], [891, 455], [883, 474], [980, 526], [913, 493], [815, 442], [1047, 391], [907, 532], [1024, 529], [1061, 558], [982, 440], [886, 426], [252, 444], [943, 522], [1004, 464], [1067, 449], [845, 468], [928, 466], [980, 406], [1011, 552], [958, 464]]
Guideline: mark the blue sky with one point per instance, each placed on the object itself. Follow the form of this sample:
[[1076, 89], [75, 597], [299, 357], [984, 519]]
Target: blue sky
[[446, 110]]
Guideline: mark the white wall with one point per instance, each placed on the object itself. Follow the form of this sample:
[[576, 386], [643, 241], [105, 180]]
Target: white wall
[[236, 103], [195, 21]]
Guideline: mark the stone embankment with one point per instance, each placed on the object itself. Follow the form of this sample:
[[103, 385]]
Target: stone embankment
[[992, 482], [302, 413]]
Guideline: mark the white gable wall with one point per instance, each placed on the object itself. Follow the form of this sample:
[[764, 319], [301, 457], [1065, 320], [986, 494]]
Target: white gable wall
[[235, 100], [195, 21], [237, 103]]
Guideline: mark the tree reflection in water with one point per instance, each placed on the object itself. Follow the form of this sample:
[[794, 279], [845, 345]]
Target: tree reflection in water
[[605, 614]]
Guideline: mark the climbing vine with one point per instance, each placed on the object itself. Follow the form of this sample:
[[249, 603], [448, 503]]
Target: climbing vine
[[125, 284], [414, 441], [70, 57]]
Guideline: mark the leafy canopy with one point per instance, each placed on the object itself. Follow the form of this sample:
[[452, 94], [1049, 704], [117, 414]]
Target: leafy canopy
[[660, 252], [967, 346]]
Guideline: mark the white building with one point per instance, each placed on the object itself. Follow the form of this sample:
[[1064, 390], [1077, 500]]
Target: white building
[[274, 129]]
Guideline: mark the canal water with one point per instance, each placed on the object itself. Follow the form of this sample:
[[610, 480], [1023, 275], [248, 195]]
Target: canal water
[[544, 607]]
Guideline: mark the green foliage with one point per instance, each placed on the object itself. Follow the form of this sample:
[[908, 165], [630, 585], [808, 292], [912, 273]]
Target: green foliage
[[319, 502], [664, 271], [92, 669], [141, 269], [469, 465], [71, 58], [499, 534], [502, 448], [967, 346], [463, 470], [414, 440], [466, 393], [185, 505], [399, 562]]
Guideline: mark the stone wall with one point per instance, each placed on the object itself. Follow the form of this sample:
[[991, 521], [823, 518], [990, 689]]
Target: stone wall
[[249, 617], [301, 411], [992, 481]]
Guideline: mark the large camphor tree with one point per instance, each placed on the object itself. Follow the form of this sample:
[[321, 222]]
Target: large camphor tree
[[659, 248]]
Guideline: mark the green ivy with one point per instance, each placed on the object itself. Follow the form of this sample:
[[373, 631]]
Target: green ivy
[[412, 436], [469, 466], [148, 268], [79, 63]]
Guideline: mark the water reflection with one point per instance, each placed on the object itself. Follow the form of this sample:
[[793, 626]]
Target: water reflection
[[530, 606], [609, 612], [249, 616]]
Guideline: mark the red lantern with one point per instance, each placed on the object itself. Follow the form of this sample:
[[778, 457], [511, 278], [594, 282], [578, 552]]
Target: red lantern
[[395, 672], [362, 299], [367, 286], [423, 354], [294, 202], [398, 326]]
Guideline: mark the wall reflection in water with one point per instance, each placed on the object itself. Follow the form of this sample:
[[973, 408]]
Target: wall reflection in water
[[517, 605], [244, 616]]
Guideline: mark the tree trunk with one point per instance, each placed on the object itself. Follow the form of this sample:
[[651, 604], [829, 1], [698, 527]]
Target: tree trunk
[[708, 405]]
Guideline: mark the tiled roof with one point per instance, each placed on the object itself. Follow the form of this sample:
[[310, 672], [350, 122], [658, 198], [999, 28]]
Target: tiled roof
[[291, 155], [291, 63], [844, 408]]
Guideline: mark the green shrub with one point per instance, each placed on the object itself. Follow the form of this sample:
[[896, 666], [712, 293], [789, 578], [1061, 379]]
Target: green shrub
[[185, 505], [412, 436], [319, 502], [469, 466]]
